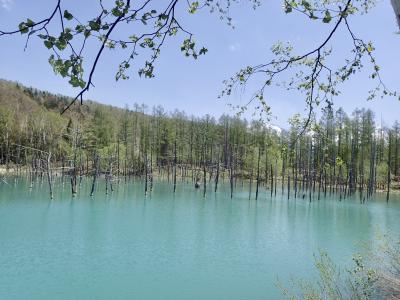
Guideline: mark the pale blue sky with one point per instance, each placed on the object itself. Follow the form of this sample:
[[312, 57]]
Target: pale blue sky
[[193, 86]]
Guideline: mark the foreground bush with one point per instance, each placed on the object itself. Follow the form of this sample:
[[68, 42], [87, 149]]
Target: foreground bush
[[375, 276]]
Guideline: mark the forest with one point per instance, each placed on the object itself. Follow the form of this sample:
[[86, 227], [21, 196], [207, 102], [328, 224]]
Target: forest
[[339, 153]]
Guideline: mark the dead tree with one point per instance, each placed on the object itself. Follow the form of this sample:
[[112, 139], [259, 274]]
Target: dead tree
[[95, 173]]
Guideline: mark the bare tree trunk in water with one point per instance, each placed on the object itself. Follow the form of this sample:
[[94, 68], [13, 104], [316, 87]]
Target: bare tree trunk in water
[[175, 161], [258, 171], [231, 173], [272, 181], [389, 162], [204, 179], [251, 182], [276, 176], [217, 173], [146, 178], [95, 173], [49, 178]]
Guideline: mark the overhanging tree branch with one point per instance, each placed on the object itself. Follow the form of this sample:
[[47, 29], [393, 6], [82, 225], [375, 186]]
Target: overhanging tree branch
[[320, 83]]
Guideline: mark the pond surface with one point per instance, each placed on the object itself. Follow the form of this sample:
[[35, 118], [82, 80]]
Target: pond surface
[[171, 246]]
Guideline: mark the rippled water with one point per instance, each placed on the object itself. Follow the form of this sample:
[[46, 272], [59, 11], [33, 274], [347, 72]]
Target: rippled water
[[171, 246]]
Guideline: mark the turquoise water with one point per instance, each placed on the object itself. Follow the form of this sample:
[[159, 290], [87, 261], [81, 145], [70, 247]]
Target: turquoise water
[[166, 246]]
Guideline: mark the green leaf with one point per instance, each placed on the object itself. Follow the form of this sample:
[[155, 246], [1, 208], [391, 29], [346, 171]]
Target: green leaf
[[133, 38], [203, 51], [370, 47], [193, 7], [79, 28], [61, 44], [94, 25], [48, 44], [288, 7], [29, 23], [23, 28], [67, 36], [68, 15], [328, 17], [116, 12]]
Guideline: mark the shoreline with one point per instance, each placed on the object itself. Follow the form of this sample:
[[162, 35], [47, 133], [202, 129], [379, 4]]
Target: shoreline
[[24, 171]]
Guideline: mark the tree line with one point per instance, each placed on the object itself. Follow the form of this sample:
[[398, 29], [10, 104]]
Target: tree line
[[338, 153]]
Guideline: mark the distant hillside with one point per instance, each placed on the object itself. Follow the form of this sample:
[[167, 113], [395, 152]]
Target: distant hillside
[[23, 100], [14, 97]]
